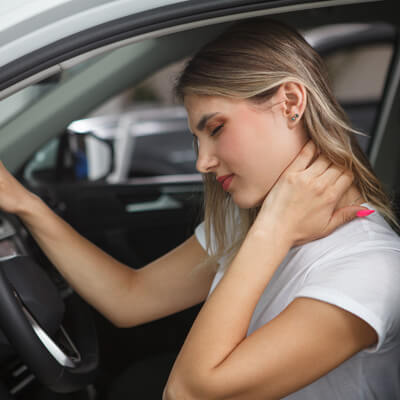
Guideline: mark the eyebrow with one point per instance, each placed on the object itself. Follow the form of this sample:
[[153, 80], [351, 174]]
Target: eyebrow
[[202, 123]]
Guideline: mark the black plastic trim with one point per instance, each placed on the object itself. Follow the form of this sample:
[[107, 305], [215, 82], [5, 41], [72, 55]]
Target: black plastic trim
[[127, 27]]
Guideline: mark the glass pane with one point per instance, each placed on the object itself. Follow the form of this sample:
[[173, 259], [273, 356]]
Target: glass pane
[[358, 76]]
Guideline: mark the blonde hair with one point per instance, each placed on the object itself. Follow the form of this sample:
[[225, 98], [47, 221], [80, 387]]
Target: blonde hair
[[250, 61]]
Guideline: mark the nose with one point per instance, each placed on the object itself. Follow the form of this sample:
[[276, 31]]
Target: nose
[[206, 158]]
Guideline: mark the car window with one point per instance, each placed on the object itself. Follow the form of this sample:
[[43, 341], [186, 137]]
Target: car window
[[151, 136], [142, 132], [43, 163], [351, 81], [358, 76]]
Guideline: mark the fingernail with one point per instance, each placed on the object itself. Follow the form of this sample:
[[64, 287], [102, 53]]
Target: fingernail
[[364, 213]]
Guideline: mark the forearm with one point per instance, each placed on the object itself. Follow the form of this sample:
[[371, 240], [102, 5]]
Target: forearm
[[96, 276], [224, 320]]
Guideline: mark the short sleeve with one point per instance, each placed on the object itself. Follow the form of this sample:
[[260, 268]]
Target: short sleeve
[[367, 284], [230, 230], [201, 235]]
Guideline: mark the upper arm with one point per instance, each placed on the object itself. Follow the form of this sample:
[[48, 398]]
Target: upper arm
[[170, 284], [306, 341]]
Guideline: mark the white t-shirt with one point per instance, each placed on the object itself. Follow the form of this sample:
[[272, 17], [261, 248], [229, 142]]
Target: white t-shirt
[[357, 268]]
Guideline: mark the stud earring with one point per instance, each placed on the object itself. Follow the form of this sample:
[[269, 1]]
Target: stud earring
[[294, 117]]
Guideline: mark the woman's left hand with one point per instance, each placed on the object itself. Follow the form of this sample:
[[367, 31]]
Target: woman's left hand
[[302, 202]]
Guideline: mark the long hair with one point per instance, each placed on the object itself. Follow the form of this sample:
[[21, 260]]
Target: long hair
[[250, 61]]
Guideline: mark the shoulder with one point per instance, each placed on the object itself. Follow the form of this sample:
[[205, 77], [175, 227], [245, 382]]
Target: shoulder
[[359, 239], [364, 252], [357, 268]]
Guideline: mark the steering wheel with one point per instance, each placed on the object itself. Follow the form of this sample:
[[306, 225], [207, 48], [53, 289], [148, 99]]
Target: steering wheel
[[56, 339]]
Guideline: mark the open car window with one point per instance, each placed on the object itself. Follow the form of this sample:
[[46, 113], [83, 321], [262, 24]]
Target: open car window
[[139, 133], [142, 133], [358, 76]]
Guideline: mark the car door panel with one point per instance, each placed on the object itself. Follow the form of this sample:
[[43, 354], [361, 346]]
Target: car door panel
[[99, 212], [146, 220]]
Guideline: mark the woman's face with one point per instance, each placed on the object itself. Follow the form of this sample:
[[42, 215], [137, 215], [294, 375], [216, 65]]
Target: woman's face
[[251, 144]]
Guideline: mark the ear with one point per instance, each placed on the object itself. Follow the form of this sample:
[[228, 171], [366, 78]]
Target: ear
[[294, 97]]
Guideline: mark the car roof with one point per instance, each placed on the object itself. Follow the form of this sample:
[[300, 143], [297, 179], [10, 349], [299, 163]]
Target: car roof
[[39, 35], [27, 25]]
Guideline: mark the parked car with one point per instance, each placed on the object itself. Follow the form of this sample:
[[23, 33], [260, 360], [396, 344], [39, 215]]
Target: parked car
[[61, 60], [146, 141]]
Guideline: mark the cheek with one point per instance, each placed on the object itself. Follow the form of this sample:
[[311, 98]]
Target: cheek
[[283, 150], [230, 148], [261, 152], [272, 154], [289, 144]]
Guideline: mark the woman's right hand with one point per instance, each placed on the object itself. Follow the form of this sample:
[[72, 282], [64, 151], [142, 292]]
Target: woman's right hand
[[304, 199], [14, 197]]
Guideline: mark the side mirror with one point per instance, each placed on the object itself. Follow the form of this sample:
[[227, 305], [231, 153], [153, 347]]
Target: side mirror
[[99, 156], [73, 157], [84, 156]]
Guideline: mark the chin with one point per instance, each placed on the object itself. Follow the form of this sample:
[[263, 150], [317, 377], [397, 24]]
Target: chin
[[248, 202]]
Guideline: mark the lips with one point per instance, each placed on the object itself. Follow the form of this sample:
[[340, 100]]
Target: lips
[[225, 181]]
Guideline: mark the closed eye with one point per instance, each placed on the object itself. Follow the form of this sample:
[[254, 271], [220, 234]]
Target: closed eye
[[216, 130]]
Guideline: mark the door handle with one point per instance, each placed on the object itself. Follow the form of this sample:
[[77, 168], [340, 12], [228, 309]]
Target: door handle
[[164, 202]]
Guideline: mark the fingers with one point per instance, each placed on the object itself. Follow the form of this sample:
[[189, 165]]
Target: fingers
[[314, 164], [310, 161], [343, 183], [304, 158], [332, 184], [318, 167], [331, 174]]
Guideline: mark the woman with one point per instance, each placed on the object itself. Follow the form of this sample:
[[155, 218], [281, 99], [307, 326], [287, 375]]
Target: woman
[[285, 311], [303, 303]]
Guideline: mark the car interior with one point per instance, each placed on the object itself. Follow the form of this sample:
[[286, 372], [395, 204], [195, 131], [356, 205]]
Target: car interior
[[104, 211]]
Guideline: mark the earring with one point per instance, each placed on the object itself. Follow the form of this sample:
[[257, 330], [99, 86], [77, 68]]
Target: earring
[[294, 117]]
